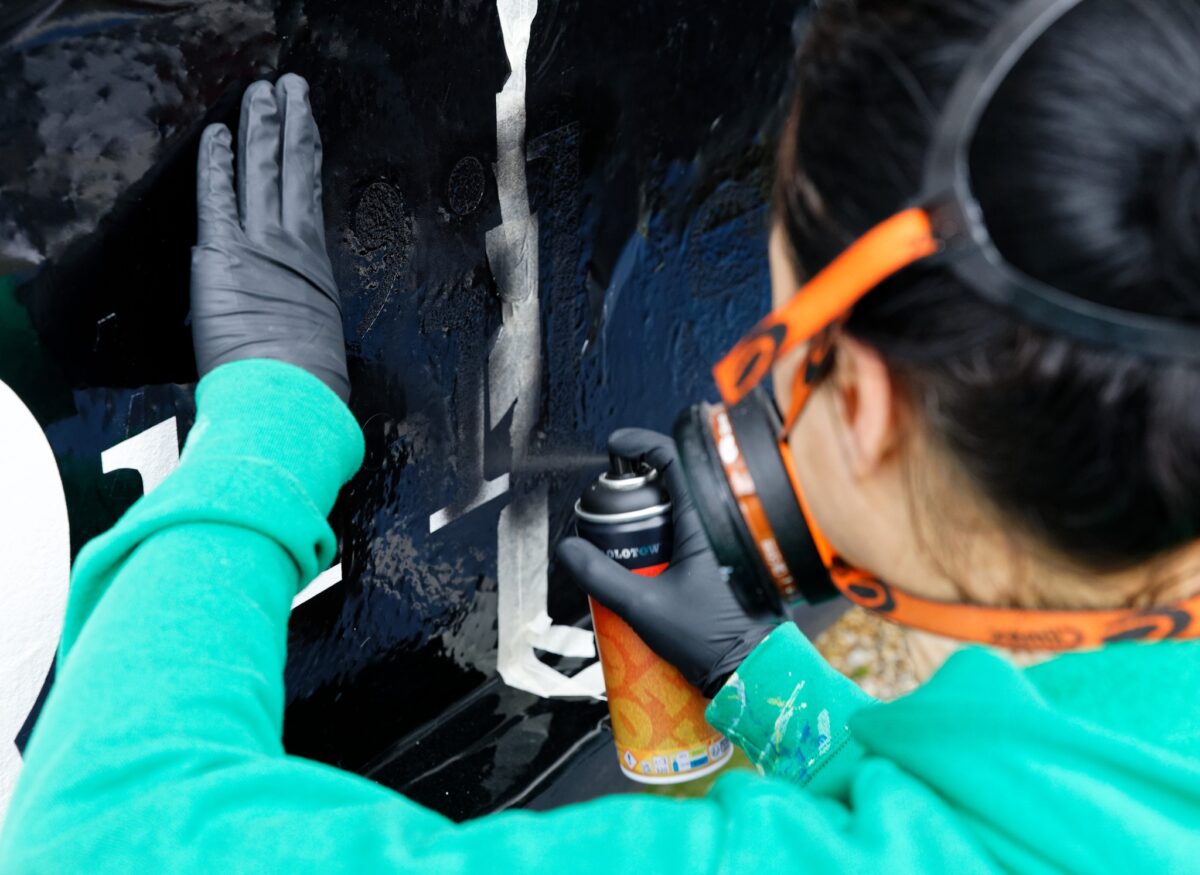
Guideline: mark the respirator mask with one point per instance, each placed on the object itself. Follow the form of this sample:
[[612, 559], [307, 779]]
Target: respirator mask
[[736, 456]]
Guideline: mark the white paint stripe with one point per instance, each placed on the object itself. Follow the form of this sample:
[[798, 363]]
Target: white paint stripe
[[514, 383], [515, 372], [322, 582], [488, 491], [153, 453], [565, 641], [591, 681], [521, 608], [513, 247], [516, 22]]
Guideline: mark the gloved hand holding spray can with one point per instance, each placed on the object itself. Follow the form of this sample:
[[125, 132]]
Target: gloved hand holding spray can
[[668, 628]]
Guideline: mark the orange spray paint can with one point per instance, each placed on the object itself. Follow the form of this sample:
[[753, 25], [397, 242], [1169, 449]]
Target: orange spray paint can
[[657, 716]]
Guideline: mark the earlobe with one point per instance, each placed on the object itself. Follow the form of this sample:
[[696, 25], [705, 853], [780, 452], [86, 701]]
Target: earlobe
[[866, 403]]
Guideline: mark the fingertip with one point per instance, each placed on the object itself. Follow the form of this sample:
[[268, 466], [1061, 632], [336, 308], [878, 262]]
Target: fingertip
[[216, 135], [642, 437], [621, 442], [623, 435], [291, 94], [216, 202], [585, 563], [258, 160], [572, 552], [594, 572], [258, 101], [635, 442], [258, 90], [294, 82], [215, 152]]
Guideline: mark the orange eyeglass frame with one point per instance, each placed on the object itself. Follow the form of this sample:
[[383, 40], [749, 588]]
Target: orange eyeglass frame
[[902, 240]]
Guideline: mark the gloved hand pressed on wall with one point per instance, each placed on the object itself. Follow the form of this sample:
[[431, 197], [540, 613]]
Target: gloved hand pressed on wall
[[688, 615], [262, 284]]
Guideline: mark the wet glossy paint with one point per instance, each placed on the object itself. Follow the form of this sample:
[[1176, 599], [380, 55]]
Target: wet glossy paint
[[647, 133]]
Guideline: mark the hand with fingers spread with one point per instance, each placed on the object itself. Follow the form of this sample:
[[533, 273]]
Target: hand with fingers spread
[[688, 615], [262, 284]]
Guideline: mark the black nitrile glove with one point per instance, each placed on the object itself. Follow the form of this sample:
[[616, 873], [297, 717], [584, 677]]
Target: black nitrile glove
[[688, 615], [262, 284]]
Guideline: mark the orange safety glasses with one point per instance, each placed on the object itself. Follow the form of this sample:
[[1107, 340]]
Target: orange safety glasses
[[811, 316]]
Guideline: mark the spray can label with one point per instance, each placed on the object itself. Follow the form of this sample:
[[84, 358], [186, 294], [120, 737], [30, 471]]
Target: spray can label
[[657, 717]]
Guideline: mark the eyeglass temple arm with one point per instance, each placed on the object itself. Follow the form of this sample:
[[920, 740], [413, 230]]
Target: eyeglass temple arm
[[887, 248]]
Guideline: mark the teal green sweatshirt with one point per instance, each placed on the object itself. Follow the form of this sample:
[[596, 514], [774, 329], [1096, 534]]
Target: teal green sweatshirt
[[159, 747]]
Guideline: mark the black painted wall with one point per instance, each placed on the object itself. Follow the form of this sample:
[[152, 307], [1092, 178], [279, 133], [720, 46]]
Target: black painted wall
[[649, 127]]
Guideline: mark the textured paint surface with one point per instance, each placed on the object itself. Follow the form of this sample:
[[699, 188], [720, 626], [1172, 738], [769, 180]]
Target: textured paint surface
[[516, 285]]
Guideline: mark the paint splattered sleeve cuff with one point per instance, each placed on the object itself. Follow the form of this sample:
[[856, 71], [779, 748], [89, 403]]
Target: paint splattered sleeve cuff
[[786, 707]]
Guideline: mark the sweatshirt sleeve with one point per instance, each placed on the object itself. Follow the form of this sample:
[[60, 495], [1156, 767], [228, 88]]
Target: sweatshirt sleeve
[[789, 709], [159, 749]]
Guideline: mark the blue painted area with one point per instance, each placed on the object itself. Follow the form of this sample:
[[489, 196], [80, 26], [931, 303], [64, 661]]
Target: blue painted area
[[663, 330]]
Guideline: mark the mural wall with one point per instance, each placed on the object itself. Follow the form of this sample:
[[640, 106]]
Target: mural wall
[[547, 221]]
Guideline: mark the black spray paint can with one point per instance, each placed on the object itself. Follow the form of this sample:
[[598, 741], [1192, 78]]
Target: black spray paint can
[[657, 717]]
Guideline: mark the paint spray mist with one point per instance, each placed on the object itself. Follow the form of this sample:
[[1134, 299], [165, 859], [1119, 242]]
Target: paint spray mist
[[657, 716]]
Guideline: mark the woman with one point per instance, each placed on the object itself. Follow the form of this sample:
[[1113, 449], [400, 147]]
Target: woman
[[966, 455]]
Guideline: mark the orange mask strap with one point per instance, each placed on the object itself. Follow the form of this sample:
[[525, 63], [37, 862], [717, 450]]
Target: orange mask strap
[[1002, 627], [1012, 628]]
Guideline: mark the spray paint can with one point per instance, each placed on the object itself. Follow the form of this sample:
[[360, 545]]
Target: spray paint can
[[657, 716]]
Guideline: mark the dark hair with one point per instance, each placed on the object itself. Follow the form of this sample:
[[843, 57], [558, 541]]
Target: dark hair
[[1087, 166]]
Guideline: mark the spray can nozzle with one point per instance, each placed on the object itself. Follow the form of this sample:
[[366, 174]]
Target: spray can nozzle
[[623, 468]]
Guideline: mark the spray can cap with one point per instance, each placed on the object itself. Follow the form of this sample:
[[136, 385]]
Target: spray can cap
[[629, 488]]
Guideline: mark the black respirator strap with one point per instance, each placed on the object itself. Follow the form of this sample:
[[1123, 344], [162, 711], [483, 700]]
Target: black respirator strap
[[757, 424], [958, 221], [718, 510]]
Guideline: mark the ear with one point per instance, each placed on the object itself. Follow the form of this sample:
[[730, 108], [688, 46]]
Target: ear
[[865, 404]]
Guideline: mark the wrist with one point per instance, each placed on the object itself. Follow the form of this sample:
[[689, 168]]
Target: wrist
[[275, 412], [734, 656]]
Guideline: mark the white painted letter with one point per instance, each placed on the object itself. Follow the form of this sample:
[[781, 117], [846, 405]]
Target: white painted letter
[[35, 553], [153, 454], [515, 382]]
